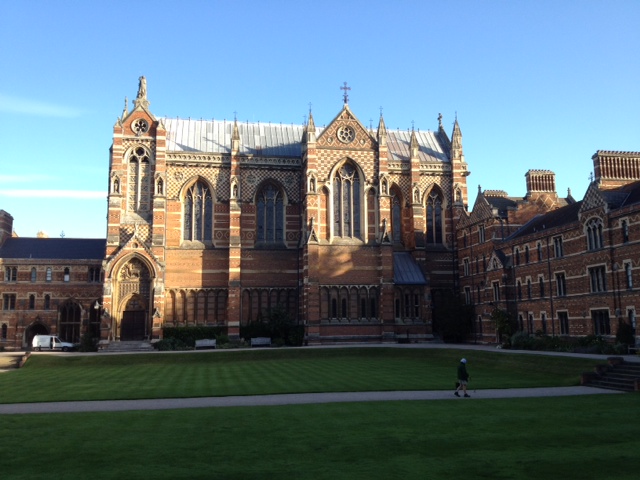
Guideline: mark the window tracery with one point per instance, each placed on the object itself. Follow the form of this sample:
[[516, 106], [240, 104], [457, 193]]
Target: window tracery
[[139, 189], [198, 213], [347, 194], [270, 215]]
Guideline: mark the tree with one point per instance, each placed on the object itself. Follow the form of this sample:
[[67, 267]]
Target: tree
[[503, 323]]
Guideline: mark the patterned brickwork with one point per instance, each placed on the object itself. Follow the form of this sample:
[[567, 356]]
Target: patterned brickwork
[[327, 160], [179, 177]]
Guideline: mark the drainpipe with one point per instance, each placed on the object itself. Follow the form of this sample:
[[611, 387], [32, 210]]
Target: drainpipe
[[553, 313]]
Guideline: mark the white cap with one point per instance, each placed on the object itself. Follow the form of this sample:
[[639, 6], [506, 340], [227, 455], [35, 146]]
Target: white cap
[[464, 360]]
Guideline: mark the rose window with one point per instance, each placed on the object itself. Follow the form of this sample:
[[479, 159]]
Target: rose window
[[346, 134]]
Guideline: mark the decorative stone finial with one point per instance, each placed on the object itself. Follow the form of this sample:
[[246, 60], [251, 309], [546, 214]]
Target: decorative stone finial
[[141, 99]]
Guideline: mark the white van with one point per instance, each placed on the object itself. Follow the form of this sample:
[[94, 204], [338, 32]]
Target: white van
[[50, 342]]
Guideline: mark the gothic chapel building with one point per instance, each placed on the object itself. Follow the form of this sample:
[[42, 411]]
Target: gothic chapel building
[[349, 229], [215, 222]]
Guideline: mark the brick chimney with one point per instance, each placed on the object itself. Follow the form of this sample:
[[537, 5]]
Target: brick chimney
[[6, 226]]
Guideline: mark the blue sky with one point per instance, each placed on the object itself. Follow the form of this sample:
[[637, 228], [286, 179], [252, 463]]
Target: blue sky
[[535, 84]]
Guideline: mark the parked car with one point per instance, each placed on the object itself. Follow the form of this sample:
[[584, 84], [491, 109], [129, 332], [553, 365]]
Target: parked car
[[50, 342]]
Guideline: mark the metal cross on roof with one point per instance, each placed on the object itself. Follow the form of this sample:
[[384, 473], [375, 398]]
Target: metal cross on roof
[[345, 95]]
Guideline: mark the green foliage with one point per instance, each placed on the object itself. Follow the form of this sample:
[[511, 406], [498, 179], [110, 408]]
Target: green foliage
[[88, 343], [625, 334], [189, 335], [588, 344], [278, 325], [171, 343], [504, 324]]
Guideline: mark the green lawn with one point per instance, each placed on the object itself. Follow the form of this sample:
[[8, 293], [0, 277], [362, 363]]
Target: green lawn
[[251, 372], [590, 437]]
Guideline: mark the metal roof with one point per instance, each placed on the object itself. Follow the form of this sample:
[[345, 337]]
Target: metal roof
[[53, 248], [278, 140], [214, 136], [406, 271], [399, 144]]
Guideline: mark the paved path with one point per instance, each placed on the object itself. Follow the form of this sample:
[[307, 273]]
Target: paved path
[[289, 399]]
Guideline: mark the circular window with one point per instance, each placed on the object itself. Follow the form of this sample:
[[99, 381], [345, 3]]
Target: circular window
[[346, 134], [140, 126]]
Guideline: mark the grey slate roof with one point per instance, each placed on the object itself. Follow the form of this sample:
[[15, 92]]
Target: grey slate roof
[[53, 248], [279, 140], [406, 271], [399, 144], [214, 136], [555, 218]]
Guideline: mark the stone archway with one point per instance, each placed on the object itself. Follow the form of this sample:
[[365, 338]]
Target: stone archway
[[33, 330], [134, 297]]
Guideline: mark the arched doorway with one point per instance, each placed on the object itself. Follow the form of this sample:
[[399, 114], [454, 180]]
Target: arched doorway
[[135, 301], [134, 315], [33, 330]]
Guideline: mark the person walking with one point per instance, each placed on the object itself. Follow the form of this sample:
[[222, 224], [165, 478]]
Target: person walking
[[463, 378]]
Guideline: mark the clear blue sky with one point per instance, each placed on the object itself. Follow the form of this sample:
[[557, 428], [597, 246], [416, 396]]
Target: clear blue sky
[[535, 84]]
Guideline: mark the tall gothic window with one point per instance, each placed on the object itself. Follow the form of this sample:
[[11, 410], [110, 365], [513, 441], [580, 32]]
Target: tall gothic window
[[346, 202], [270, 215], [198, 213], [434, 218], [139, 188], [396, 216], [594, 234]]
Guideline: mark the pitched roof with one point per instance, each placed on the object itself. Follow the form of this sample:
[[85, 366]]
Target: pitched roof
[[280, 140], [53, 248], [555, 218], [406, 271], [628, 194]]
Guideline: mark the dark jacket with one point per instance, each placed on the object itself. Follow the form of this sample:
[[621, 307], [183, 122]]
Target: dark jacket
[[462, 372]]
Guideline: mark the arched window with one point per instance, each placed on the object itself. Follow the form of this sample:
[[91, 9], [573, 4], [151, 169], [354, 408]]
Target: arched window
[[198, 213], [594, 234], [434, 218], [34, 274], [625, 231], [270, 215], [47, 302], [4, 331], [396, 216], [49, 274], [346, 202], [67, 274], [139, 188], [11, 274], [70, 315], [32, 302]]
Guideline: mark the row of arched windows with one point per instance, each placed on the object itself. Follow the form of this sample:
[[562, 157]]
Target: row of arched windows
[[346, 212], [349, 303], [196, 307]]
